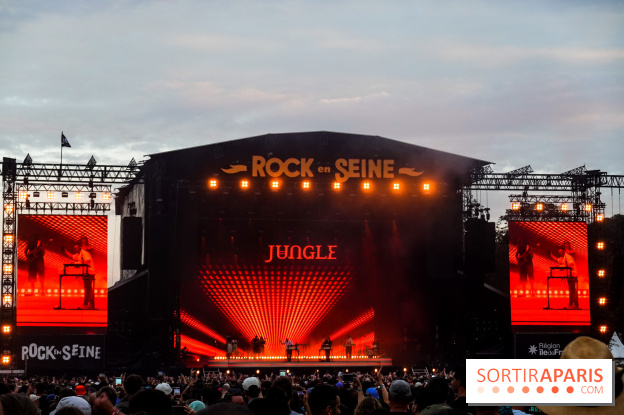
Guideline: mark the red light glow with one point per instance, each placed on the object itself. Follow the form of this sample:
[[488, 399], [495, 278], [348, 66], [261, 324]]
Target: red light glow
[[288, 301], [360, 320], [186, 319], [197, 347]]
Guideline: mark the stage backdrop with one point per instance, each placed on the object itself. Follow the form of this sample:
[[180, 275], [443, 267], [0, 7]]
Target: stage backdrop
[[46, 244], [545, 249]]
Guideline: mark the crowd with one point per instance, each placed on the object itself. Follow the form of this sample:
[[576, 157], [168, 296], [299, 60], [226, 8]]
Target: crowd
[[218, 393]]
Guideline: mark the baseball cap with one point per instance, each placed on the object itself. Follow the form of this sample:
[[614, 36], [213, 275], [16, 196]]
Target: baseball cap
[[164, 388], [251, 381], [73, 402], [372, 392], [400, 389]]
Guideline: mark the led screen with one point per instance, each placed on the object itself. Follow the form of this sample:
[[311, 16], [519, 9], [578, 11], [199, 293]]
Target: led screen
[[549, 274], [62, 271], [301, 280]]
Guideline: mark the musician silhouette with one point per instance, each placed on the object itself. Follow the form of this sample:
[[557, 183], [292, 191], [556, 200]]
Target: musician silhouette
[[524, 256], [289, 349], [35, 252]]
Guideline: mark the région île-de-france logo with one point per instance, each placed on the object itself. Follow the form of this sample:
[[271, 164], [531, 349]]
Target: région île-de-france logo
[[532, 349], [343, 169]]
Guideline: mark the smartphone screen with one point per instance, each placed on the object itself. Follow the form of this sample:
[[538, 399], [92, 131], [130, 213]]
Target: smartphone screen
[[117, 381], [176, 391]]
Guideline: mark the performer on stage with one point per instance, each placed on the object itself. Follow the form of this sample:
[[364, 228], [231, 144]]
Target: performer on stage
[[375, 347], [566, 259], [255, 346], [524, 256], [262, 343], [327, 346], [82, 256], [289, 349], [36, 267], [349, 346]]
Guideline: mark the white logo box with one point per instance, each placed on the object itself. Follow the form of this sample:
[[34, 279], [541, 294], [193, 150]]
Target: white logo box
[[561, 382]]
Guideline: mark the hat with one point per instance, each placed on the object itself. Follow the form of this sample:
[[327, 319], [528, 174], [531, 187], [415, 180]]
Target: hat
[[251, 381], [33, 397], [73, 402], [373, 392], [164, 388], [81, 390], [339, 384], [50, 397], [400, 389], [584, 347], [197, 405]]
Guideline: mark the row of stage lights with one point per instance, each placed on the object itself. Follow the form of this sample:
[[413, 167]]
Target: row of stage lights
[[541, 207], [50, 194], [306, 185]]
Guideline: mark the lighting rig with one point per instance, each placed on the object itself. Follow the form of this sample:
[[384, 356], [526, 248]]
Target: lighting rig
[[36, 188], [582, 203]]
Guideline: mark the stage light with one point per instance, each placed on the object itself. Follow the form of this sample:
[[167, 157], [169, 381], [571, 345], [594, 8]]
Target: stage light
[[6, 329], [602, 301], [433, 370], [227, 372], [426, 187], [600, 245], [601, 273], [366, 186], [336, 186], [8, 208], [287, 370], [404, 369], [213, 184], [197, 372], [23, 194], [244, 184], [539, 206], [7, 298], [257, 371], [35, 194], [50, 194], [64, 194], [6, 358], [106, 196], [396, 186], [78, 195], [603, 329], [275, 184], [7, 268], [599, 217], [515, 206], [305, 185], [564, 207], [588, 207]]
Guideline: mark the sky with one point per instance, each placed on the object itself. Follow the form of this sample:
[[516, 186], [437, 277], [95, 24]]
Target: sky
[[537, 83]]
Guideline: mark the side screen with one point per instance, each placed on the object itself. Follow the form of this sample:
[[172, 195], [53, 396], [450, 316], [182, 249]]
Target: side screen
[[548, 272], [62, 271]]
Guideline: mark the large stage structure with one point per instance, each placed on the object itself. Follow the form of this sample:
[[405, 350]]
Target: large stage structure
[[301, 236]]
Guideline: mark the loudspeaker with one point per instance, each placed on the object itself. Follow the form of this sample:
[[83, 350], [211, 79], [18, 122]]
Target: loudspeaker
[[131, 242], [480, 243]]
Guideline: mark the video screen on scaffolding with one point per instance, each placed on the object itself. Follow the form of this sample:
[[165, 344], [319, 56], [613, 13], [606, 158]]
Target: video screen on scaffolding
[[62, 271], [548, 269], [278, 280]]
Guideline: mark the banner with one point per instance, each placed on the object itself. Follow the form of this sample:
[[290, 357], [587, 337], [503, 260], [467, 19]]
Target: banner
[[84, 352]]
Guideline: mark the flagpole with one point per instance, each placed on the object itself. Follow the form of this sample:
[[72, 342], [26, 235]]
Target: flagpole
[[61, 166]]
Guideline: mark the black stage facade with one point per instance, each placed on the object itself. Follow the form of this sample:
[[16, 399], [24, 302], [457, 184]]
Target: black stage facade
[[293, 238]]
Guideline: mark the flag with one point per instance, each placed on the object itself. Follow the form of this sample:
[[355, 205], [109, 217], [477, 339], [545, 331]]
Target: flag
[[64, 142]]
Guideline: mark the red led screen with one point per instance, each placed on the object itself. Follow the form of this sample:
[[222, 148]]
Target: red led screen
[[549, 282], [62, 271]]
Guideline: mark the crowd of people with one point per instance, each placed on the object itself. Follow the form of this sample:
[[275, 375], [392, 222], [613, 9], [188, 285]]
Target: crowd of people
[[329, 393]]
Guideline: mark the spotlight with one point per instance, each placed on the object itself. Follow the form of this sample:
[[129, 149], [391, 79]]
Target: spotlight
[[8, 238], [599, 217], [7, 268], [197, 372], [588, 207], [7, 298], [564, 207], [336, 186], [6, 329], [78, 195], [244, 184], [602, 301], [106, 196], [600, 245], [601, 273], [305, 185], [396, 186], [275, 184], [213, 184], [23, 194], [366, 185], [8, 208], [603, 329], [539, 206], [50, 194], [257, 371], [515, 206], [6, 358]]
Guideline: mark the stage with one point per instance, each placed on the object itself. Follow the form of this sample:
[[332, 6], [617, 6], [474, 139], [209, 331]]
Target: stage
[[275, 362]]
